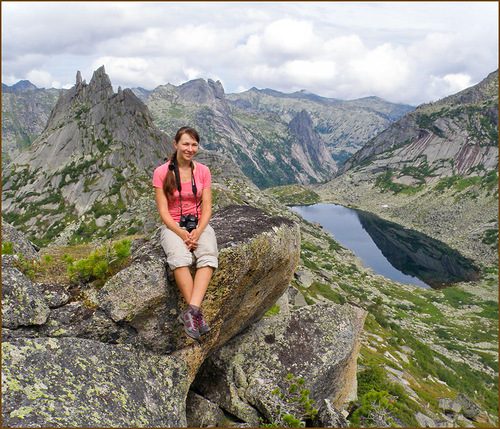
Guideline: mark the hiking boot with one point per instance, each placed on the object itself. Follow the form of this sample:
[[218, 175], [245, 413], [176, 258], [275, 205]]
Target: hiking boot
[[202, 325], [189, 322]]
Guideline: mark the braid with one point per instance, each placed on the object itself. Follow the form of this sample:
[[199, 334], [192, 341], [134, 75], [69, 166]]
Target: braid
[[169, 184]]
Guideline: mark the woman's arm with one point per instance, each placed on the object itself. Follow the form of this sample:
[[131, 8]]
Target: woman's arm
[[206, 214], [206, 209], [166, 217]]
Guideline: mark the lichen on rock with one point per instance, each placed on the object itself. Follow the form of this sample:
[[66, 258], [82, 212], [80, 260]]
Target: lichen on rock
[[319, 343], [72, 382]]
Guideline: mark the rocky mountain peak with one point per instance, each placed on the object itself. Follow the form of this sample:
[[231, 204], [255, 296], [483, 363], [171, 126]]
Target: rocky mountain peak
[[201, 91], [308, 144], [217, 88], [100, 85], [21, 86], [78, 77], [94, 157], [301, 123]]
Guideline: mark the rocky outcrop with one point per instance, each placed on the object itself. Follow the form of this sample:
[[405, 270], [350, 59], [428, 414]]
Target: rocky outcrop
[[307, 144], [318, 342], [125, 338], [203, 413], [20, 244], [22, 303], [201, 91], [72, 382], [463, 408], [329, 416], [258, 255]]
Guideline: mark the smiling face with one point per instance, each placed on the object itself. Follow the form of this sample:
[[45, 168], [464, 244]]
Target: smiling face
[[186, 148]]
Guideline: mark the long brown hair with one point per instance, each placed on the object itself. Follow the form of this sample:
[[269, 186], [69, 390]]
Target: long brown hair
[[169, 184]]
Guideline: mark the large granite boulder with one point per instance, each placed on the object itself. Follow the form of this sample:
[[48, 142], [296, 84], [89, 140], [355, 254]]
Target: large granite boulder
[[22, 303], [202, 413], [258, 255], [20, 244], [72, 382], [318, 343], [470, 409]]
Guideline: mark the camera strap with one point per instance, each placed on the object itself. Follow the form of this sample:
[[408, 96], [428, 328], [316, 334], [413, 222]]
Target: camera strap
[[179, 185]]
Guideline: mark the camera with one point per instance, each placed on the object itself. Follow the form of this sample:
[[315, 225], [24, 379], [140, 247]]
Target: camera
[[189, 222]]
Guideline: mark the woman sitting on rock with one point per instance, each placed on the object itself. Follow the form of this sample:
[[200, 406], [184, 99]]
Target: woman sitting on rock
[[184, 201]]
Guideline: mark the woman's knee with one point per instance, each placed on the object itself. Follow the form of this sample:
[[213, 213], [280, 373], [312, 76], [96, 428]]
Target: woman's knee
[[207, 252], [178, 255]]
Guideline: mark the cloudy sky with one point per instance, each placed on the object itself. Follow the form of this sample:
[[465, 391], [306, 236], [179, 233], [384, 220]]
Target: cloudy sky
[[403, 52]]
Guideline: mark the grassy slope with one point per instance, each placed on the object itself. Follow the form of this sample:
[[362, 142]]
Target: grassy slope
[[430, 344]]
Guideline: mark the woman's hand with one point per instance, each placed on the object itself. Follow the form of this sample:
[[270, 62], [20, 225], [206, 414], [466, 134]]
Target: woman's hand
[[194, 235], [184, 235]]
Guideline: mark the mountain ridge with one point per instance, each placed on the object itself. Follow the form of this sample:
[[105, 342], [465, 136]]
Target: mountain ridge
[[431, 121], [91, 161], [256, 139]]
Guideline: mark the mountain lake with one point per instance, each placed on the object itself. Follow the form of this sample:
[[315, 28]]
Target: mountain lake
[[391, 250]]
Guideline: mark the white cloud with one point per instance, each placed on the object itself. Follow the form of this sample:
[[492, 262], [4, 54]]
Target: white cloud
[[344, 47], [457, 81], [135, 71], [192, 73], [288, 37], [296, 74], [441, 86], [40, 78], [406, 52], [384, 70]]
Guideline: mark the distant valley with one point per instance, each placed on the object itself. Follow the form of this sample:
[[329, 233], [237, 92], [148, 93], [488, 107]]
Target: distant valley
[[435, 169]]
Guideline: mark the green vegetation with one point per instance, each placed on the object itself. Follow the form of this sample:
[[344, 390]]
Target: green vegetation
[[294, 195], [80, 263], [7, 248], [420, 172], [295, 406], [101, 264], [119, 181], [488, 182], [80, 110], [385, 183], [273, 311], [21, 178], [457, 297], [426, 121], [318, 289], [75, 171], [85, 232], [490, 310]]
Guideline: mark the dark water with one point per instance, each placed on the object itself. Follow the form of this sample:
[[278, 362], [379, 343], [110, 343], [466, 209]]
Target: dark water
[[389, 249]]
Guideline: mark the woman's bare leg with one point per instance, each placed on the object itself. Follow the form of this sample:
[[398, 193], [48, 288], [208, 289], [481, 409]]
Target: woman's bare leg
[[184, 282], [201, 281]]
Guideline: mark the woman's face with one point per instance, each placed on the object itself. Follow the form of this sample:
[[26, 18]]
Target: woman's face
[[186, 148]]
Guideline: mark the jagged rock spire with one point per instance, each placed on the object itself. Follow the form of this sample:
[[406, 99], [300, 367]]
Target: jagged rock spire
[[100, 85], [78, 77]]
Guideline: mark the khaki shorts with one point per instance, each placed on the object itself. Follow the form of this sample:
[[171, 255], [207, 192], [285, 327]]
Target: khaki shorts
[[178, 254]]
